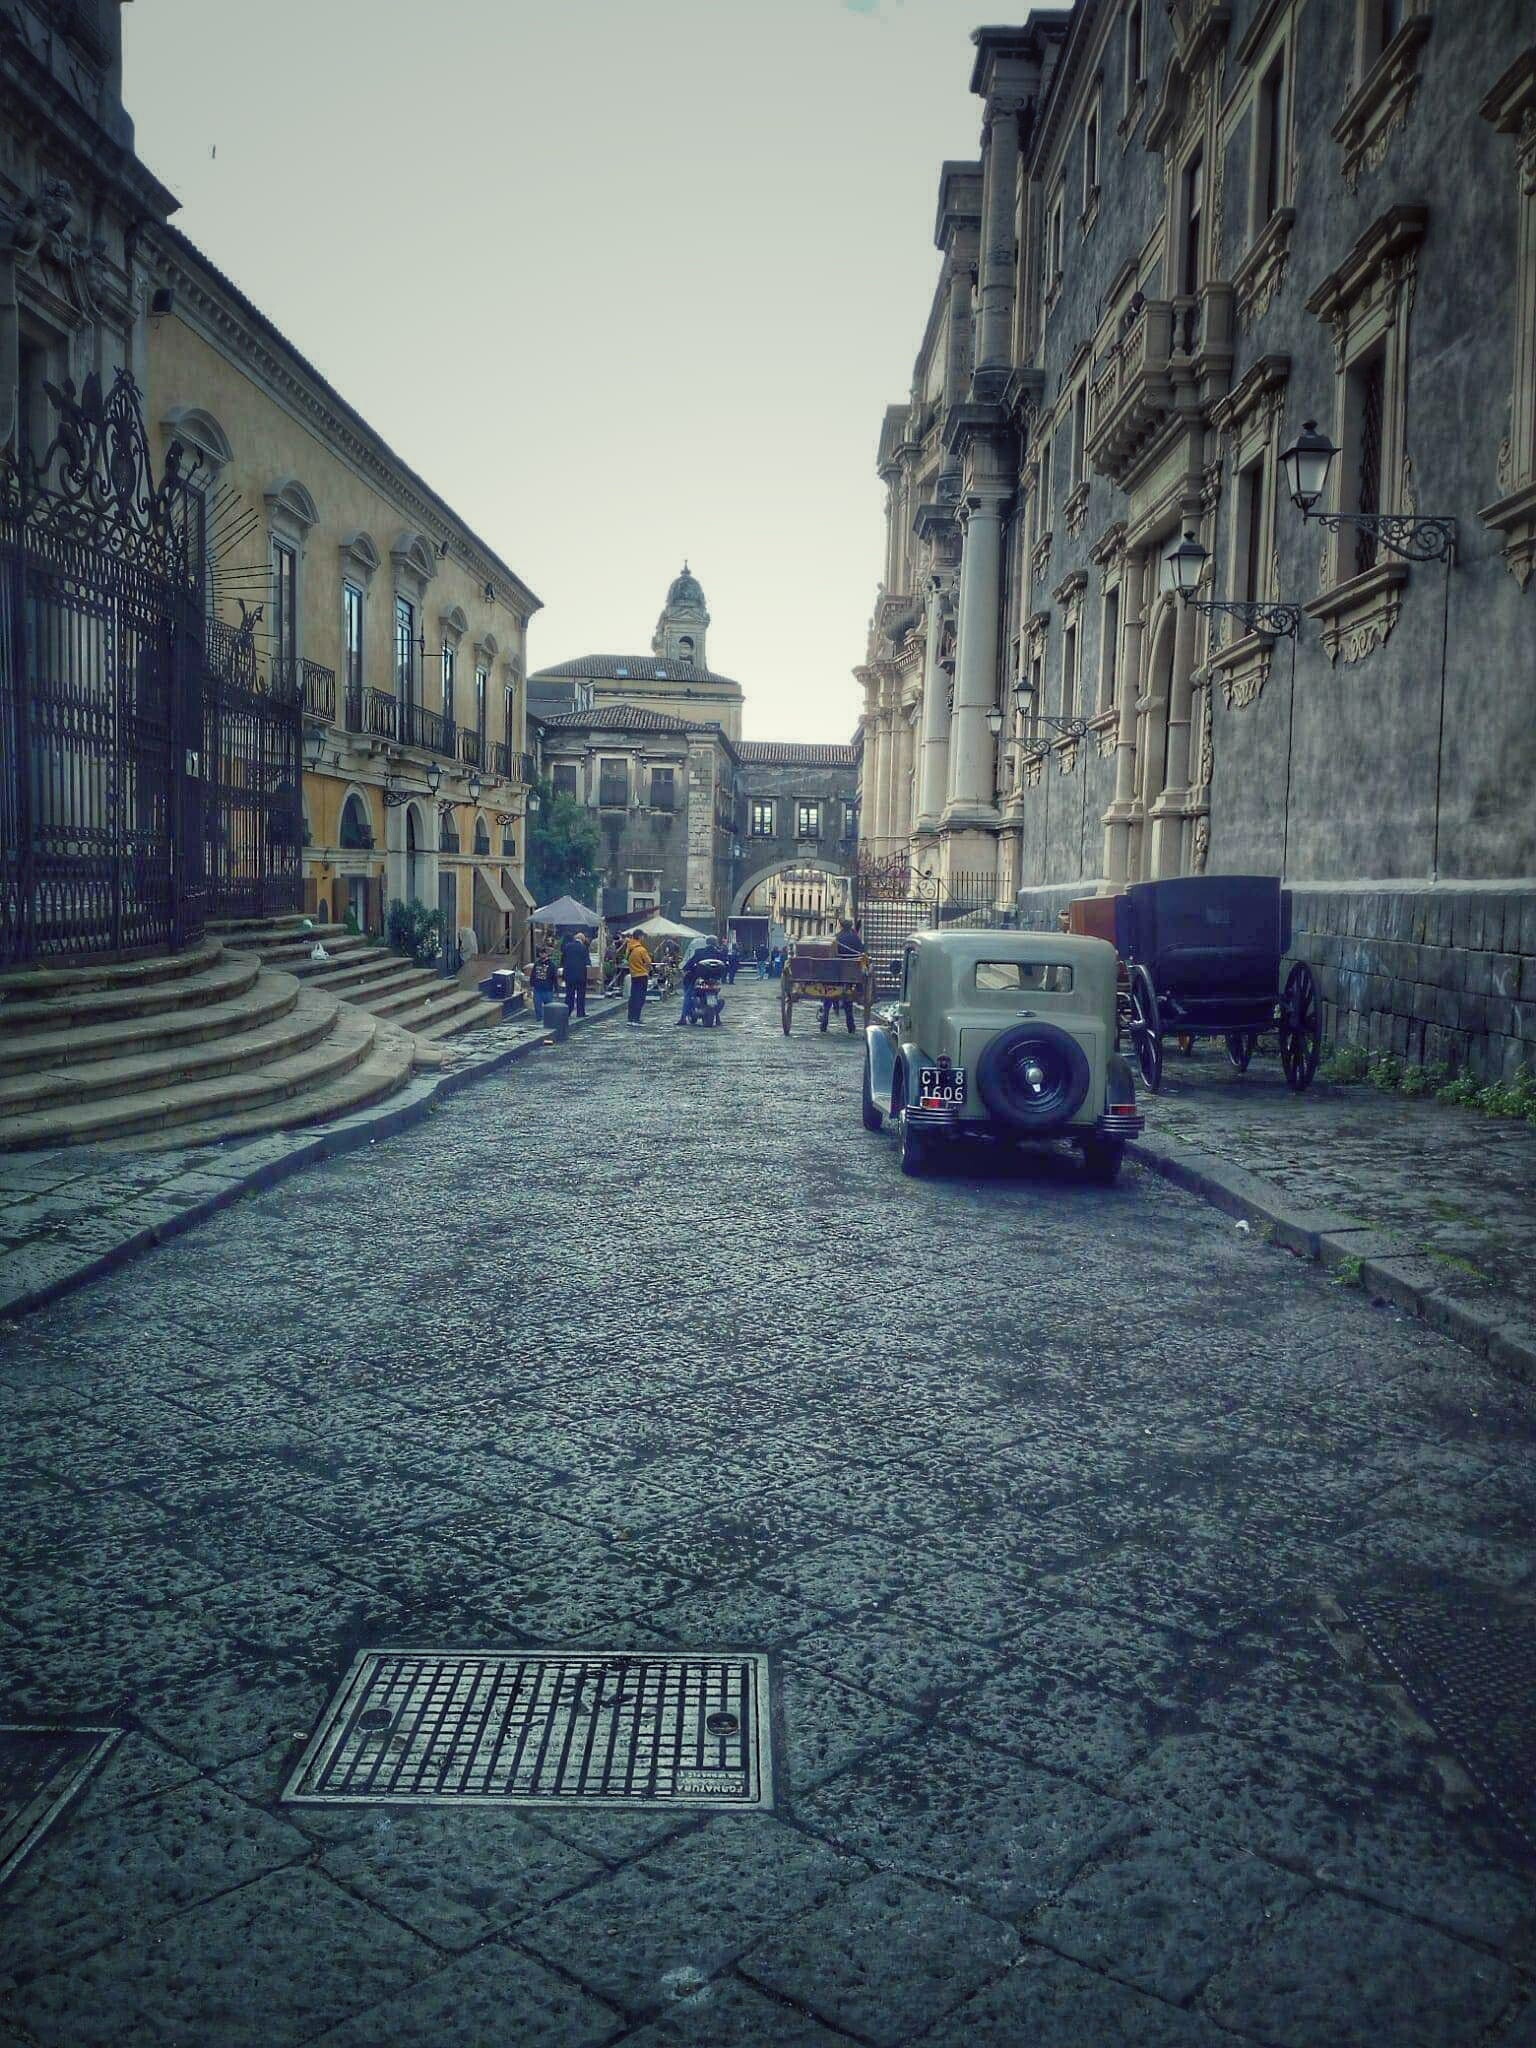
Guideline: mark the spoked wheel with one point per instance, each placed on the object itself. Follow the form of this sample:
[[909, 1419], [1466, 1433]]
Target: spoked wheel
[[1240, 1046], [1146, 1029], [786, 1009], [1301, 1027]]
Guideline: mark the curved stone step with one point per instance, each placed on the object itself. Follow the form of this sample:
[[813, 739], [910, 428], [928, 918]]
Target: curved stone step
[[279, 952], [269, 997], [378, 970], [406, 994], [386, 1068], [226, 976], [33, 984], [226, 928], [161, 1111], [464, 1009], [306, 1020]]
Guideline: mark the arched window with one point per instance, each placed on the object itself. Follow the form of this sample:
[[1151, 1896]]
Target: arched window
[[685, 648], [356, 829], [482, 835]]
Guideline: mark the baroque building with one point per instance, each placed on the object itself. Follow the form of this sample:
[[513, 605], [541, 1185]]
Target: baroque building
[[338, 573], [1192, 229], [675, 677]]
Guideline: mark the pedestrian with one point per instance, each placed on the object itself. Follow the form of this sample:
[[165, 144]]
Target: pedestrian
[[762, 962], [849, 947], [542, 983], [706, 961], [576, 960], [638, 958], [732, 960]]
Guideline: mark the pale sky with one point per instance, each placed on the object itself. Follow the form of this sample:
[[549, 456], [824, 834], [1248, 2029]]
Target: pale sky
[[625, 280]]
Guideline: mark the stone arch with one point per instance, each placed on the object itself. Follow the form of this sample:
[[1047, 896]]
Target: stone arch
[[287, 495], [198, 430], [778, 867], [355, 805]]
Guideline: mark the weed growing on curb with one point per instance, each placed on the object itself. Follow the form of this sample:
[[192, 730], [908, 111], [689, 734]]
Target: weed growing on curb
[[1347, 1273]]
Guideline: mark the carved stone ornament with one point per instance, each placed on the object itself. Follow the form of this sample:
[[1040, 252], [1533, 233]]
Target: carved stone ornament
[[1075, 511], [1376, 108], [1040, 560], [1034, 763], [1261, 271], [1207, 761], [1200, 847], [1358, 616], [1106, 733]]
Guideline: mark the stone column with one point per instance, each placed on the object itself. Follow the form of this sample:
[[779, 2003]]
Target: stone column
[[994, 322], [1167, 819], [902, 793], [1117, 819], [890, 717], [871, 767], [971, 809], [933, 746]]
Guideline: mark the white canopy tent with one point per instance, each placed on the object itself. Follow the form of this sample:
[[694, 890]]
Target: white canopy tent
[[658, 927]]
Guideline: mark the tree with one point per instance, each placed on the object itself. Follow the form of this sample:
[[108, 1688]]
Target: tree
[[562, 849]]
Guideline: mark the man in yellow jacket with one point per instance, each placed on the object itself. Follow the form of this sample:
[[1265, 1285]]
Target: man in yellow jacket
[[637, 959]]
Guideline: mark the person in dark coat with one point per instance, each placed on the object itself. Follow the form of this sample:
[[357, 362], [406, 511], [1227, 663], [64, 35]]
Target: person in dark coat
[[850, 946], [576, 961], [542, 981]]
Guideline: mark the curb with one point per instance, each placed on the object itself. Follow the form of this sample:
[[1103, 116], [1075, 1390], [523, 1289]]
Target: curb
[[1387, 1264], [398, 1112]]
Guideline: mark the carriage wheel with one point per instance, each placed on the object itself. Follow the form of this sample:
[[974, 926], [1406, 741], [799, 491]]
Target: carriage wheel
[[1240, 1046], [786, 1006], [1301, 1027], [1146, 1029]]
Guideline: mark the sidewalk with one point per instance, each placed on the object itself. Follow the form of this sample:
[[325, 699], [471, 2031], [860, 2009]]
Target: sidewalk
[[69, 1214], [1428, 1206]]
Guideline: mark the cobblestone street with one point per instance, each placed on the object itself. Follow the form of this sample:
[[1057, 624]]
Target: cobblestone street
[[1050, 1504]]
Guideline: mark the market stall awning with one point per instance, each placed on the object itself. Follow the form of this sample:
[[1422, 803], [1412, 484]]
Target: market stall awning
[[565, 910], [658, 927]]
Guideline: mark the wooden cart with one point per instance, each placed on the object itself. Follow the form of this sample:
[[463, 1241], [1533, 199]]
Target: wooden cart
[[816, 972]]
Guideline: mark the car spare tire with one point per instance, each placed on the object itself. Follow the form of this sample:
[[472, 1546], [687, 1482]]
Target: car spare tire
[[1033, 1077]]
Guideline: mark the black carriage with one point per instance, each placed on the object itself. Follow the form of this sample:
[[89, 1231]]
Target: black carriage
[[1202, 959]]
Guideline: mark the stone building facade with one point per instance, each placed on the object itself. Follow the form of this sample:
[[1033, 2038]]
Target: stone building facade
[[1191, 229], [675, 677], [663, 793], [404, 629], [797, 814]]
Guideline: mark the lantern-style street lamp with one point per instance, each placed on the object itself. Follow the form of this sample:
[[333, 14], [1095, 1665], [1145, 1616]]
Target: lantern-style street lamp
[[1307, 464], [1182, 568]]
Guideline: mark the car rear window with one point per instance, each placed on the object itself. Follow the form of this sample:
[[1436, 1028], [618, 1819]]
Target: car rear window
[[1024, 977]]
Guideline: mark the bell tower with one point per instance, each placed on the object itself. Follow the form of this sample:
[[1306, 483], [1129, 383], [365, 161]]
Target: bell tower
[[679, 637]]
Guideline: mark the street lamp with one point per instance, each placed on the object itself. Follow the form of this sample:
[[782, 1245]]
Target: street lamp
[[474, 785], [995, 720], [434, 778], [1182, 567], [1307, 463], [1075, 729]]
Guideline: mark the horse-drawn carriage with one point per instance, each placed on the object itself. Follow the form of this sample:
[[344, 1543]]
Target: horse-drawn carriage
[[816, 972], [1201, 958]]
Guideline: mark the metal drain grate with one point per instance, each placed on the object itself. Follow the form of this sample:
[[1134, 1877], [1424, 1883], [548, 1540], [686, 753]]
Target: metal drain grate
[[1469, 1665], [41, 1770], [518, 1728]]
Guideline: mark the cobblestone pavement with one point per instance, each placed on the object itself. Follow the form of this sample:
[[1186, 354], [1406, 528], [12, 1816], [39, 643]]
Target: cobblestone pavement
[[1457, 1184], [1046, 1501]]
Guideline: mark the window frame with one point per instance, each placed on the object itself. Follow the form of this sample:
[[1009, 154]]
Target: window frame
[[757, 828], [808, 807]]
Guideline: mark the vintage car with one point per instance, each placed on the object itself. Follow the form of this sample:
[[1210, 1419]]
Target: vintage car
[[1002, 1036]]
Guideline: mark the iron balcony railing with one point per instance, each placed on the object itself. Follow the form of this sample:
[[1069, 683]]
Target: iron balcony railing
[[429, 730], [472, 747], [318, 688], [499, 759], [448, 839]]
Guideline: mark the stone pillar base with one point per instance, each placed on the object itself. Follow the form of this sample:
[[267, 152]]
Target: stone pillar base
[[968, 849]]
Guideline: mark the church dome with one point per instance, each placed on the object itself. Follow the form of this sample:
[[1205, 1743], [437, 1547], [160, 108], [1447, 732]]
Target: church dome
[[685, 589]]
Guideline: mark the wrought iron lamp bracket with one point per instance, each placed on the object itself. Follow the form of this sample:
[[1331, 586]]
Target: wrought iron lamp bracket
[[1430, 539], [1280, 621]]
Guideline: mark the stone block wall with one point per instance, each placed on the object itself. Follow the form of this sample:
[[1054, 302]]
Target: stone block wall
[[1440, 975]]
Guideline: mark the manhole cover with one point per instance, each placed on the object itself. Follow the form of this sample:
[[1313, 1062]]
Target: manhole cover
[[518, 1729], [1469, 1665], [41, 1769]]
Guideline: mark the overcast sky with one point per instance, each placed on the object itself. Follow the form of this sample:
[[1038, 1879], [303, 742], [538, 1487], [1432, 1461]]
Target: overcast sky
[[626, 280]]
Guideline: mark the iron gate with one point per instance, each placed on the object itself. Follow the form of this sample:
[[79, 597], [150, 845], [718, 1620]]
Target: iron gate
[[253, 738], [100, 697], [893, 900]]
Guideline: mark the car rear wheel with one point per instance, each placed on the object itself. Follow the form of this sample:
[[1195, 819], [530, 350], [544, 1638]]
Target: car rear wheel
[[873, 1119], [1102, 1159], [1033, 1077]]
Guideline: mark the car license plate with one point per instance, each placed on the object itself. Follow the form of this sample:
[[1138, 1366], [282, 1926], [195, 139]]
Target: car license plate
[[940, 1087]]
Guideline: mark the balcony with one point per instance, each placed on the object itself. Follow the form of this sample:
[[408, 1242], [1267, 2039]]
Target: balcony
[[1169, 366], [429, 730], [317, 686], [472, 747]]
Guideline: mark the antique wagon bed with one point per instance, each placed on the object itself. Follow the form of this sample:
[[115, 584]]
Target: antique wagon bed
[[816, 972]]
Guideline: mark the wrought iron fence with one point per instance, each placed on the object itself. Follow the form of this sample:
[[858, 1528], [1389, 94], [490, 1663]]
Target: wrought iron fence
[[101, 577], [892, 900], [253, 764]]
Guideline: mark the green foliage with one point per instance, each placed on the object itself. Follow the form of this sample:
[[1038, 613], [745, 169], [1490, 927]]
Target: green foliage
[[562, 849], [1463, 1092], [1346, 1063], [1347, 1273], [1516, 1098], [415, 931], [1427, 1080], [1386, 1071]]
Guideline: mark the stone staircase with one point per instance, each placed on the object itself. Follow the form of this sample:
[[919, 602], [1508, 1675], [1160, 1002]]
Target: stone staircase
[[413, 999], [207, 1045]]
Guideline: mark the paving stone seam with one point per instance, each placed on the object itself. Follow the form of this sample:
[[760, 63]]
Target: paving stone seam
[[1389, 1264], [416, 1100]]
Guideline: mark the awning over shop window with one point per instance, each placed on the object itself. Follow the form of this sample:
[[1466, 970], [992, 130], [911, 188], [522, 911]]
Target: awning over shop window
[[499, 895], [515, 888]]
